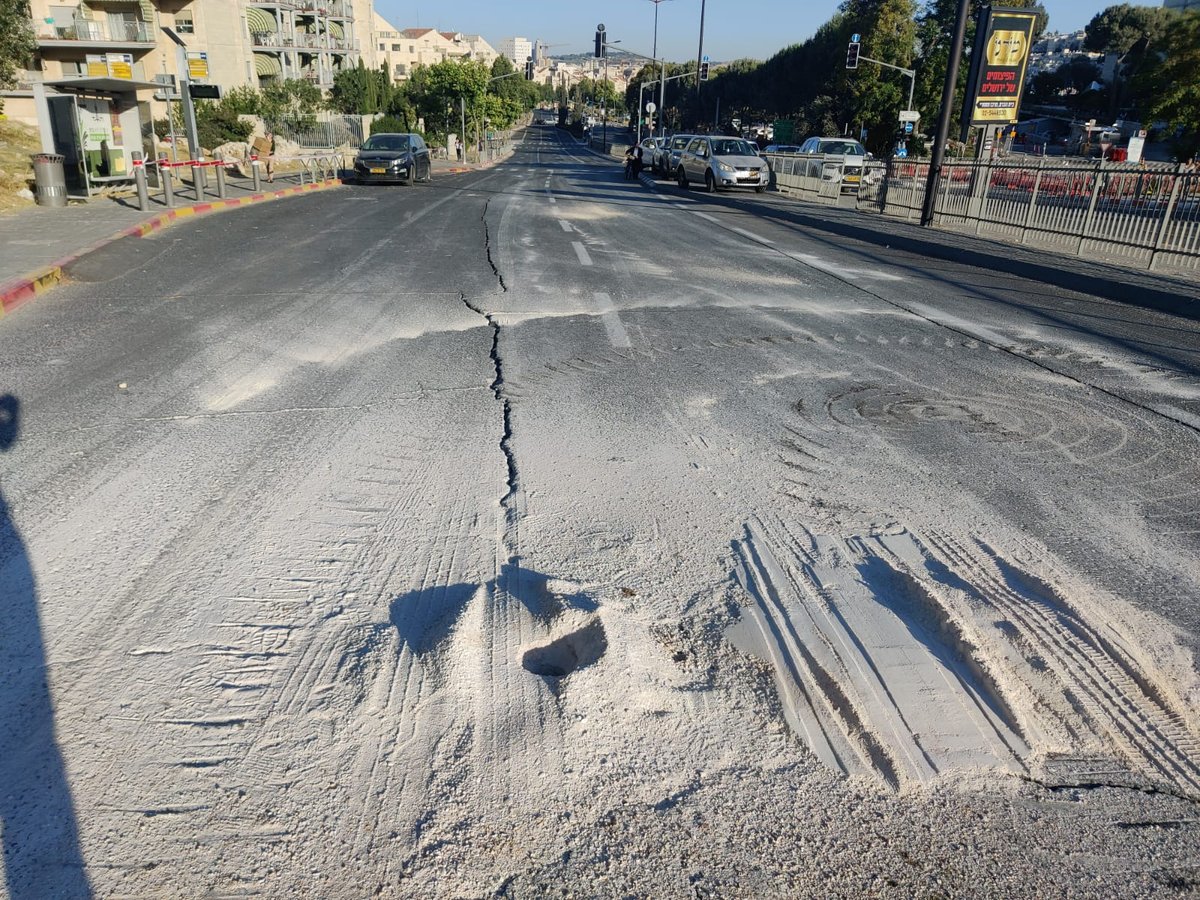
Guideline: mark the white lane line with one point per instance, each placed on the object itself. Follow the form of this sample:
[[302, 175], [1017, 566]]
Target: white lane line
[[707, 216], [754, 237], [617, 335], [581, 252], [566, 226]]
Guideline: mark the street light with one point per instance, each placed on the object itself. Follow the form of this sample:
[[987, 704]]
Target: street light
[[662, 80]]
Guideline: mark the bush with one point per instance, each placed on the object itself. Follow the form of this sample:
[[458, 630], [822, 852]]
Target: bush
[[217, 124], [386, 124]]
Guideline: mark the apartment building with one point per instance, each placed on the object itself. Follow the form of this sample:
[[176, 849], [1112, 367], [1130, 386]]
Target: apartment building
[[517, 49], [244, 42], [400, 51]]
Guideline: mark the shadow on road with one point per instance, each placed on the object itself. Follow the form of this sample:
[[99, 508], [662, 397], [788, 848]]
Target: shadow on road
[[41, 843]]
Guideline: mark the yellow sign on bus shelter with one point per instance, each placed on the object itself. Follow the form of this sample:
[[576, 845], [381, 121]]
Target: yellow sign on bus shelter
[[120, 65], [197, 65]]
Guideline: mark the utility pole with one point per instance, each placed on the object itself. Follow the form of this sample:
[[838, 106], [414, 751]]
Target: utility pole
[[700, 52], [943, 126], [185, 92]]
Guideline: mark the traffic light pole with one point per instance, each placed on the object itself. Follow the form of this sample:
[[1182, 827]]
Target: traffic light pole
[[943, 126]]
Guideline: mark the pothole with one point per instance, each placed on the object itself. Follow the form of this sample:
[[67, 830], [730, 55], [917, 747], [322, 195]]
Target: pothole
[[568, 653]]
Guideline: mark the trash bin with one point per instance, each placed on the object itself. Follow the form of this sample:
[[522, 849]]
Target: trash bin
[[50, 181]]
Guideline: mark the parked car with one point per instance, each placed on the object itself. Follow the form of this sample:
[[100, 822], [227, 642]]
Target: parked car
[[392, 157], [668, 159], [853, 158], [721, 161], [782, 148], [649, 146]]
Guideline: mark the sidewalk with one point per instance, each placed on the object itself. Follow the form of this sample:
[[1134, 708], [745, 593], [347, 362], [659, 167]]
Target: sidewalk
[[35, 243]]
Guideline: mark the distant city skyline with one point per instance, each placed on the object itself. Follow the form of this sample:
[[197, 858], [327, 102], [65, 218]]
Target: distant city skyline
[[729, 32]]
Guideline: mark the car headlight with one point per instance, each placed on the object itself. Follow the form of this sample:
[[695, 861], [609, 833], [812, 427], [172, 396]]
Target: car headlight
[[727, 170]]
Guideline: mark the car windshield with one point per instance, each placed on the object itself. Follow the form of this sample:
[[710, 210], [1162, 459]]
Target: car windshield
[[846, 148], [734, 148], [680, 142], [386, 142]]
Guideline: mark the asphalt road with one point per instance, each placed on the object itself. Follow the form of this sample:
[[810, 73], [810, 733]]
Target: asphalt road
[[532, 529]]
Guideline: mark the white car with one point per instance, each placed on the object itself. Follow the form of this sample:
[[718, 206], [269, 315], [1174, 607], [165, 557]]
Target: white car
[[718, 161], [851, 155]]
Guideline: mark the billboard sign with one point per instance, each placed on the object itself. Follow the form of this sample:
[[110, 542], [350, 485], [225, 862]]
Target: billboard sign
[[1000, 69]]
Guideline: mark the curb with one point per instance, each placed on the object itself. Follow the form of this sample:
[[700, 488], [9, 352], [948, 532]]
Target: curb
[[19, 291]]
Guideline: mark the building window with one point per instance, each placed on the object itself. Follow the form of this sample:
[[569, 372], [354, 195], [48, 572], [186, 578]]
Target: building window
[[382, 48], [395, 48], [184, 23], [401, 69]]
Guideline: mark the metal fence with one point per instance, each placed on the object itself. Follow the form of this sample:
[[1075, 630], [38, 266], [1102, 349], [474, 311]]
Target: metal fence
[[329, 133], [1146, 214]]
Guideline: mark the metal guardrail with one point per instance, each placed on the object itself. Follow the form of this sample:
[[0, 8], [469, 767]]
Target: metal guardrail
[[334, 131], [1144, 213]]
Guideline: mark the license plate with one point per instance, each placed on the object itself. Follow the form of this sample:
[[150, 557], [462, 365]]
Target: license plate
[[379, 171], [851, 178]]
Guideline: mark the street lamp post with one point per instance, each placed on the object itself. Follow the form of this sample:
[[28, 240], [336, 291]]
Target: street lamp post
[[662, 77]]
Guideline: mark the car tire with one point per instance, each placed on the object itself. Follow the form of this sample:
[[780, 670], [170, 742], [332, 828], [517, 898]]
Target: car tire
[[682, 179], [710, 183], [759, 189]]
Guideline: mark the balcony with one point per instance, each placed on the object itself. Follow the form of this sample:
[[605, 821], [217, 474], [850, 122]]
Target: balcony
[[273, 39], [92, 33], [335, 8]]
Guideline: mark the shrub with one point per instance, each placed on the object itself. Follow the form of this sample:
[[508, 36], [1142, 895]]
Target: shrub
[[389, 124]]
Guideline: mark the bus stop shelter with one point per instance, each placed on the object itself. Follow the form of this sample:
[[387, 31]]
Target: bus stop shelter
[[96, 123]]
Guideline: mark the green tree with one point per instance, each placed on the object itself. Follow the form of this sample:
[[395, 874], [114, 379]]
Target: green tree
[[1136, 34], [360, 91], [1173, 83], [294, 100], [16, 41]]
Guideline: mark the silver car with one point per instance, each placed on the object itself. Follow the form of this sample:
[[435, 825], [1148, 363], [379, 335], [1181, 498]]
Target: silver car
[[667, 160], [720, 162]]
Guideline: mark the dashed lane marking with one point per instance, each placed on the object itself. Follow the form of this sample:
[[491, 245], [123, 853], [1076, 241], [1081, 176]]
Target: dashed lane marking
[[566, 226], [581, 252], [617, 335]]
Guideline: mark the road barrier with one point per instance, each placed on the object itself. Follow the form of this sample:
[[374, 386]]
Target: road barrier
[[309, 168], [1141, 213]]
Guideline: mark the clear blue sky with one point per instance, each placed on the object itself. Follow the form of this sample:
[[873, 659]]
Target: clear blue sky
[[732, 28]]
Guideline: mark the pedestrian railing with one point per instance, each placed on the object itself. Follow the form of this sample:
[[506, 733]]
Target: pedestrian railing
[[1147, 214], [810, 176], [193, 180]]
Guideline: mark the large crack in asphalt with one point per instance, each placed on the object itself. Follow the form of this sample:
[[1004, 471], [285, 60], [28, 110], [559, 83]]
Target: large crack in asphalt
[[498, 386]]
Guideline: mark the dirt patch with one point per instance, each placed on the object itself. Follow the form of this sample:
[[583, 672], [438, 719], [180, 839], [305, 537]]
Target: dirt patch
[[17, 142]]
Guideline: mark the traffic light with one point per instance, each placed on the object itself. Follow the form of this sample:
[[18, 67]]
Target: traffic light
[[600, 42], [852, 55], [704, 71], [529, 68]]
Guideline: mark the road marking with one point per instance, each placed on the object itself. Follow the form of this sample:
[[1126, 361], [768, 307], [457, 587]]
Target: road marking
[[750, 234], [707, 216], [581, 252], [617, 335], [566, 226]]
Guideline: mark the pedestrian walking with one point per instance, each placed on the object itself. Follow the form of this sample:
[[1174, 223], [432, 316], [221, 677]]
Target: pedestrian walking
[[269, 153], [458, 147]]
